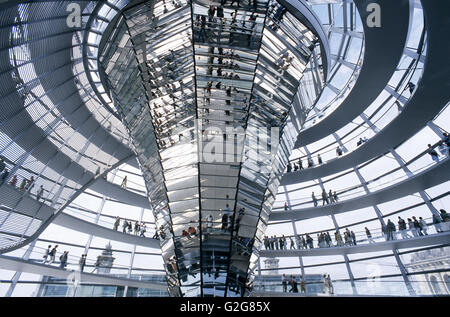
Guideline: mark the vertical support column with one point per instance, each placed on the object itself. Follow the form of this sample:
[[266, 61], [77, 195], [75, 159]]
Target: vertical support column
[[402, 269], [338, 140], [367, 121], [259, 273], [427, 201], [308, 153], [125, 291], [401, 162], [17, 275], [435, 128], [294, 228], [395, 252], [259, 267], [300, 260], [361, 180], [347, 262], [422, 193], [99, 211]]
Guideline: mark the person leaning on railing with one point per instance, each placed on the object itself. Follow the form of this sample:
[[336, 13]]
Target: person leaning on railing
[[443, 148], [434, 155]]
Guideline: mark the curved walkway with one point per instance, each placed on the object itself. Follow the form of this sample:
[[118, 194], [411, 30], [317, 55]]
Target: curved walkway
[[304, 13], [80, 225], [439, 173], [123, 195], [434, 239], [49, 47], [108, 189], [383, 50], [432, 91], [27, 205], [20, 265]]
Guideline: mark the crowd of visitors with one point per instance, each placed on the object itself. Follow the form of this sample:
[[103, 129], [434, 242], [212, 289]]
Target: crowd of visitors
[[330, 198], [298, 166], [50, 255], [410, 228], [227, 222], [417, 227], [310, 162], [25, 185], [443, 148], [139, 228]]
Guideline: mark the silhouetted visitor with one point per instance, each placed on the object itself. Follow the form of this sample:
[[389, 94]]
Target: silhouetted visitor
[[143, 229], [224, 221], [417, 226], [324, 198], [52, 254], [423, 226], [136, 227], [314, 199], [369, 235], [437, 223], [402, 228], [434, 155], [82, 262], [390, 229], [412, 227], [331, 197], [116, 223], [46, 254], [411, 87], [284, 283], [63, 259], [39, 193]]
